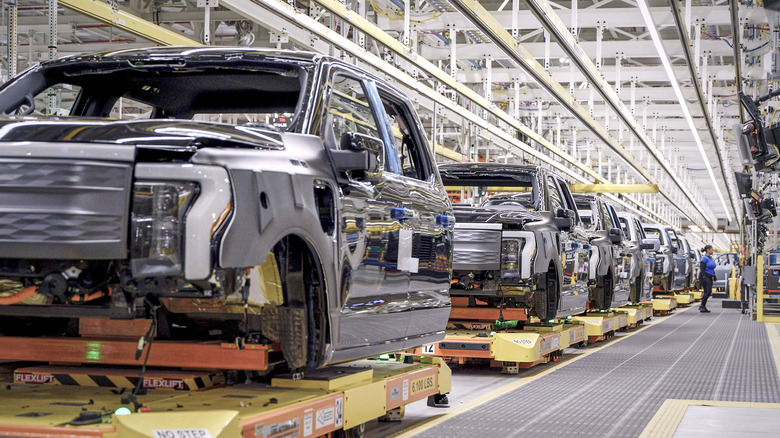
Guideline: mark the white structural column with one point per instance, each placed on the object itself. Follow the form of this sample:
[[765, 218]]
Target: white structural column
[[51, 100], [13, 43], [516, 103], [574, 23], [407, 22], [546, 49], [516, 19], [453, 54], [599, 44], [489, 79]]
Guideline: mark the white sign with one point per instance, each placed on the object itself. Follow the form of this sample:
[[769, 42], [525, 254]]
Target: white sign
[[308, 421], [325, 417], [523, 341], [181, 433], [429, 349], [406, 390], [339, 412]]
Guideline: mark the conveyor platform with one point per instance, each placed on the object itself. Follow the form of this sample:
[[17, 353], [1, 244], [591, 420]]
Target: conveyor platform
[[615, 389]]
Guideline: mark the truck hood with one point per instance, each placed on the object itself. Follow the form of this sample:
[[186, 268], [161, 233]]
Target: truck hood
[[513, 218], [156, 132]]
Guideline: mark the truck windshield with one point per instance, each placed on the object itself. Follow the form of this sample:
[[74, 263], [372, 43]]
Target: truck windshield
[[255, 92], [492, 187]]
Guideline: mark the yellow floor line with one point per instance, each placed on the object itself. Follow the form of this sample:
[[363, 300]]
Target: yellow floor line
[[669, 416], [471, 404], [773, 333]]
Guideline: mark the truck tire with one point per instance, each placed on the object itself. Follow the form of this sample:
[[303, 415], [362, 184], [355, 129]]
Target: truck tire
[[604, 293], [303, 322], [545, 299], [637, 287]]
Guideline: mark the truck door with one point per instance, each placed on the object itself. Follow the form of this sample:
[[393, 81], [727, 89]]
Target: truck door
[[374, 303], [574, 255], [420, 209]]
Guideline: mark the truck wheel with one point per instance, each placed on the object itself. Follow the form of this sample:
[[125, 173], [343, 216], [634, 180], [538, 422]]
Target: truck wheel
[[546, 298], [637, 287], [604, 294], [302, 327]]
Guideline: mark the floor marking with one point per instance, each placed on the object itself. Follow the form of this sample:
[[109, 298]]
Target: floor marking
[[424, 425], [667, 419], [722, 377], [641, 400], [773, 332]]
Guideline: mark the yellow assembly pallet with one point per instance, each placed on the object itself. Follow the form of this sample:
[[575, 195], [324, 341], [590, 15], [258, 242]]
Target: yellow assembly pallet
[[684, 299], [664, 304], [636, 314], [328, 400], [600, 325], [510, 350], [697, 294]]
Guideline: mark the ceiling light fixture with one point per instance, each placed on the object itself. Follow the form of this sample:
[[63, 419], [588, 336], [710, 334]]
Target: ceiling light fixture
[[650, 25]]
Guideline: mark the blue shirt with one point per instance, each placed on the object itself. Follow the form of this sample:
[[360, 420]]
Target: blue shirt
[[709, 268]]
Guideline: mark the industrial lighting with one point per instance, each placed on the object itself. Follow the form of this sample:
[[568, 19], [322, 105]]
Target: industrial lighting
[[650, 25]]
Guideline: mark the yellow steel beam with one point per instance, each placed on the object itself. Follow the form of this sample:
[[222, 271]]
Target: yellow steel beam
[[104, 13], [614, 188], [449, 153]]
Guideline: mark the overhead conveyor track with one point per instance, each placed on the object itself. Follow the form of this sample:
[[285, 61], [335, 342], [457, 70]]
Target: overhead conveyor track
[[718, 356], [685, 44], [256, 11], [484, 21]]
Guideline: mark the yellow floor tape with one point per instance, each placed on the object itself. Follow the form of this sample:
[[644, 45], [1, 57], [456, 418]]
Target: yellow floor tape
[[669, 416]]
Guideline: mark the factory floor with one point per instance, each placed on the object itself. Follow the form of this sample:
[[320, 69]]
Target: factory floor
[[687, 374]]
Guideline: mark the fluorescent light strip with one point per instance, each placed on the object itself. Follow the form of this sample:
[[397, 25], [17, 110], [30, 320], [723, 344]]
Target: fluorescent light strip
[[650, 25]]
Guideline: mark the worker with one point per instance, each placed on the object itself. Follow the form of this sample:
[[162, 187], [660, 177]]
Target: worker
[[706, 276]]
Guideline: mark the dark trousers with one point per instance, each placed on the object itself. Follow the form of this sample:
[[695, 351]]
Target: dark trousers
[[706, 284]]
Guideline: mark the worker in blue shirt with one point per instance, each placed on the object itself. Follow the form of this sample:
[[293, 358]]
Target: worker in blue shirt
[[706, 276]]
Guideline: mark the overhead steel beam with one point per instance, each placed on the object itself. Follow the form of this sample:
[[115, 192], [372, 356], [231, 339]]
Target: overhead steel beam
[[259, 12], [587, 18], [509, 45], [632, 49], [682, 33], [120, 19], [735, 33], [648, 74], [614, 188]]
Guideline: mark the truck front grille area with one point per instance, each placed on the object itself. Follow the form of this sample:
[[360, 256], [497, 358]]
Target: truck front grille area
[[659, 266], [64, 209], [476, 249]]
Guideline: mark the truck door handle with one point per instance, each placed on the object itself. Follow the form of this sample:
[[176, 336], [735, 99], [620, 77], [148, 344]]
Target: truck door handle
[[401, 213]]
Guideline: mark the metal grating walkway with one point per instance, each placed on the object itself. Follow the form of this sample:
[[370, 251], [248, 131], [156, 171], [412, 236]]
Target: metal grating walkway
[[617, 390]]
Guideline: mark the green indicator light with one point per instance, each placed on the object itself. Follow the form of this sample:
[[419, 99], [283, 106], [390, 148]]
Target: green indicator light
[[123, 411], [93, 351]]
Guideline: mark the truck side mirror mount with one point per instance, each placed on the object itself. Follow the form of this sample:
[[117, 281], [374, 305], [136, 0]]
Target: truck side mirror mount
[[358, 153], [615, 235], [651, 244], [564, 219]]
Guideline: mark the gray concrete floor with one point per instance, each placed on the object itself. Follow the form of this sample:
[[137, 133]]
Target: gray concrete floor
[[728, 422]]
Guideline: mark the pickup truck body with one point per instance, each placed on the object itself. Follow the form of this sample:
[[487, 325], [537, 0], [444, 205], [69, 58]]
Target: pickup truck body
[[319, 207], [610, 279], [725, 263], [642, 252], [663, 272], [519, 240]]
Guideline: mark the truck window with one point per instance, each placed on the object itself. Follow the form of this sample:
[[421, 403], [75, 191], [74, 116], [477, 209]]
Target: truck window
[[406, 139], [62, 97], [640, 231], [348, 111], [626, 228], [554, 195]]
